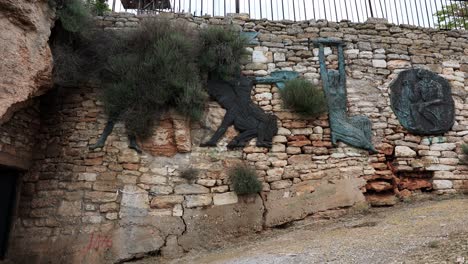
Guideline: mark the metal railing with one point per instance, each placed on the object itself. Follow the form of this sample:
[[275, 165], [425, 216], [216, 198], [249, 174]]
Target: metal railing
[[444, 14]]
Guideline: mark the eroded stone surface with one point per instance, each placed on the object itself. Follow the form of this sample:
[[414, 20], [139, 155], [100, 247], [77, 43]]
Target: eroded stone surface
[[26, 57]]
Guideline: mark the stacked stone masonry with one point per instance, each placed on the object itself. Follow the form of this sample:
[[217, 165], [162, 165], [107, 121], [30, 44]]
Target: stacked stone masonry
[[72, 195], [18, 137]]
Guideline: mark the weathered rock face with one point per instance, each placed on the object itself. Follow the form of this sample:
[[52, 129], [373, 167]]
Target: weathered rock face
[[26, 66]]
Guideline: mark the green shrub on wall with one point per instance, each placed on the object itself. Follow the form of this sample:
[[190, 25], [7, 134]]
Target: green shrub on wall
[[304, 98], [221, 52], [154, 71], [74, 15], [244, 180]]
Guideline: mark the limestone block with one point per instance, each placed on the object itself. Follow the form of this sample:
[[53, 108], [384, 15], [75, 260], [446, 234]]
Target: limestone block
[[190, 189], [213, 226], [87, 176], [404, 151], [161, 189], [379, 63], [225, 198], [198, 200], [443, 146], [327, 195], [279, 56], [442, 184], [259, 56], [451, 64], [148, 178], [131, 241]]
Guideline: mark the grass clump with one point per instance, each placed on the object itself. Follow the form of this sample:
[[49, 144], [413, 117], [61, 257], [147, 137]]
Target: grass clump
[[244, 180], [190, 174], [222, 49], [304, 98]]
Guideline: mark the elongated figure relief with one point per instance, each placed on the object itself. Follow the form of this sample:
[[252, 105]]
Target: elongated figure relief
[[353, 130]]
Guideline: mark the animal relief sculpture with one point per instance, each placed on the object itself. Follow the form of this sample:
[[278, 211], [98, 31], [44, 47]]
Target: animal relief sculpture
[[355, 130], [422, 102], [247, 117]]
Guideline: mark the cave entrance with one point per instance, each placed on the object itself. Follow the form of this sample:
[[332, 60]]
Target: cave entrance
[[8, 182]]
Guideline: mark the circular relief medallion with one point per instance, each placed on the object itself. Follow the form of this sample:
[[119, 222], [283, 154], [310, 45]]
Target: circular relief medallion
[[422, 101]]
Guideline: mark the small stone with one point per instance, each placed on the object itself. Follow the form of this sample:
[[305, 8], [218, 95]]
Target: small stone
[[67, 208], [379, 186], [161, 189], [225, 198], [277, 185], [404, 151], [220, 189], [382, 199], [442, 184], [279, 56], [278, 148], [87, 176], [129, 156], [206, 182], [293, 150], [379, 63], [153, 179]]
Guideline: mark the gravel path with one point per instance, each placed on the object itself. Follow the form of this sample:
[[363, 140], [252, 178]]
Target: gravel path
[[422, 232]]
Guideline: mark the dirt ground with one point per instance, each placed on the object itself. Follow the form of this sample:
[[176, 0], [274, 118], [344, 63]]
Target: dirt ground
[[431, 231]]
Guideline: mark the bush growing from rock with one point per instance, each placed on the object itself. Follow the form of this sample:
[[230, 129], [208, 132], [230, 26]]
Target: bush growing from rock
[[221, 52], [154, 71], [244, 180], [304, 98]]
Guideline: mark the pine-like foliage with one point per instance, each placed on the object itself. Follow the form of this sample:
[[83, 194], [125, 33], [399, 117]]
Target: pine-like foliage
[[304, 98], [154, 71], [244, 180], [74, 15], [221, 52]]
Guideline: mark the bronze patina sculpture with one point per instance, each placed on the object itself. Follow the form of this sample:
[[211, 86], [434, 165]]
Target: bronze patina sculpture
[[247, 117], [353, 130], [422, 102], [278, 77], [132, 143]]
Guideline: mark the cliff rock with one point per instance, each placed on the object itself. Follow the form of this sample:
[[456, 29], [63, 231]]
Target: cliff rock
[[26, 59]]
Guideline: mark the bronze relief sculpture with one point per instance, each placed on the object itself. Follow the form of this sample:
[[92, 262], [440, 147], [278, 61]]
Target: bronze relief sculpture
[[353, 130], [422, 102], [246, 116]]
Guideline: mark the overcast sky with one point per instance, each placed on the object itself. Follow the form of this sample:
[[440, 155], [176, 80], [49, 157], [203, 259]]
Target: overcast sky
[[415, 12]]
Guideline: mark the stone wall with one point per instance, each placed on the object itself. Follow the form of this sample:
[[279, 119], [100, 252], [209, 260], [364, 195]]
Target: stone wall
[[18, 137], [109, 205]]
